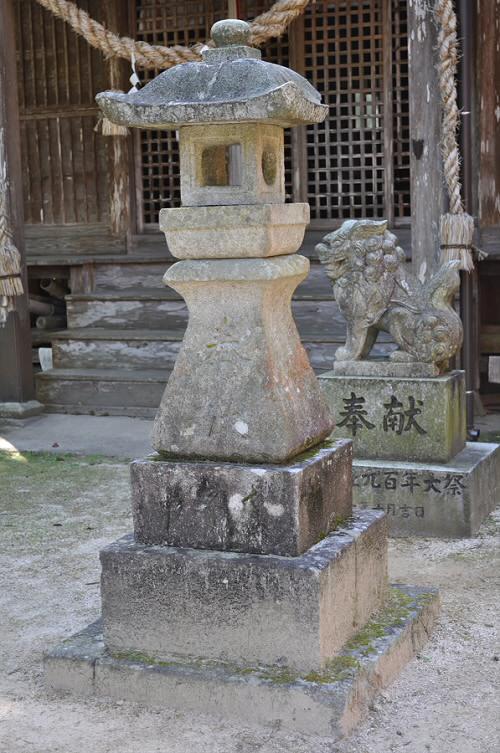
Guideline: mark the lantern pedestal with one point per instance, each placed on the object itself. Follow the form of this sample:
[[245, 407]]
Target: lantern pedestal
[[242, 387]]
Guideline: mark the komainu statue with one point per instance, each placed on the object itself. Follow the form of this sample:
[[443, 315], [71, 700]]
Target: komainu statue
[[376, 293]]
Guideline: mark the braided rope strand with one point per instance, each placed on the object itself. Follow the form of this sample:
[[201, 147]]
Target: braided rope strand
[[447, 70], [270, 24]]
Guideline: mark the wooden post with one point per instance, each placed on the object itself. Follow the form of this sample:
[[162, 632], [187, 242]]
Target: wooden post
[[16, 371], [388, 107], [427, 195], [299, 134], [116, 15], [489, 87]]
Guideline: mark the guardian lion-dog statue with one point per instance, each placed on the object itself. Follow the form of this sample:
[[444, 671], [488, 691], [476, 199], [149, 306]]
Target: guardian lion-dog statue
[[376, 293]]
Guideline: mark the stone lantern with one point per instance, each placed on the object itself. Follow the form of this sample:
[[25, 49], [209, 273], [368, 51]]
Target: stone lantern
[[242, 387], [249, 575]]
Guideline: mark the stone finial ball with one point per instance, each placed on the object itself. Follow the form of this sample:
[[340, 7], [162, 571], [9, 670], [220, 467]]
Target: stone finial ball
[[230, 32]]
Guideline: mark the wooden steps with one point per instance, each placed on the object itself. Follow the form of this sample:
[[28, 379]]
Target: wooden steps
[[102, 392]]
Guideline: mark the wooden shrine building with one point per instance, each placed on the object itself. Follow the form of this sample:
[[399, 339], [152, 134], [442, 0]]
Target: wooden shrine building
[[90, 202]]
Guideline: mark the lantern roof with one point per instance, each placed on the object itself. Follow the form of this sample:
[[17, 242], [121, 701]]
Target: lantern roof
[[231, 84]]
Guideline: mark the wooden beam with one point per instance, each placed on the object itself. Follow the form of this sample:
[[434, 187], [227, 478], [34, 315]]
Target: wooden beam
[[16, 370], [427, 195]]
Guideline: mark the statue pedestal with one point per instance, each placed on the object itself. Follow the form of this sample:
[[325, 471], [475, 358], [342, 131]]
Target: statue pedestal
[[439, 499], [419, 419], [410, 455]]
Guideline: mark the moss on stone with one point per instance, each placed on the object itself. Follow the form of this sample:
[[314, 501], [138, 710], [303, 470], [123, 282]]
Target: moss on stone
[[137, 657], [312, 451], [336, 669], [395, 613], [249, 496]]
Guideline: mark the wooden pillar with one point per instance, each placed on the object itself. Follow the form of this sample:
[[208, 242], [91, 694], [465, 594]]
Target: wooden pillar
[[16, 371], [121, 166], [488, 82], [427, 188]]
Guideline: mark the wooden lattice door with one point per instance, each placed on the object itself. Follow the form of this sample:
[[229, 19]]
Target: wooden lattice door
[[65, 162], [356, 163]]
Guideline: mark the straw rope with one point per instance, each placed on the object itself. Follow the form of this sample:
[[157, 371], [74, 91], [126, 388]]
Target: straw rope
[[456, 227], [270, 24], [447, 69]]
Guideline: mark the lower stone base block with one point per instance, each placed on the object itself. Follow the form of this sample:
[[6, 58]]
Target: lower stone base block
[[330, 702], [246, 608], [423, 499]]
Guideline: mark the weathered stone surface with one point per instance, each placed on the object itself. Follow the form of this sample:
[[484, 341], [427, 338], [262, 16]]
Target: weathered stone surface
[[328, 703], [235, 163], [21, 410], [385, 368], [266, 510], [421, 499], [242, 387], [229, 85], [376, 293], [399, 418], [215, 232], [167, 602]]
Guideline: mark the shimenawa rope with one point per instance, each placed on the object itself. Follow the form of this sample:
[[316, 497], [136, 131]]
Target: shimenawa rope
[[270, 24], [456, 227]]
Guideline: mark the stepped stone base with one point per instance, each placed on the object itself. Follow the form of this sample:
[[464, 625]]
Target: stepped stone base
[[423, 499], [264, 509], [419, 419], [330, 702], [227, 606]]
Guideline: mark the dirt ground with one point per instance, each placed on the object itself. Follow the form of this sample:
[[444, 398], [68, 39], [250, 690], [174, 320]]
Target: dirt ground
[[56, 514]]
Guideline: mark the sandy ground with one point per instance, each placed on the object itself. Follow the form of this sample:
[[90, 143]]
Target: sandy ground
[[55, 515]]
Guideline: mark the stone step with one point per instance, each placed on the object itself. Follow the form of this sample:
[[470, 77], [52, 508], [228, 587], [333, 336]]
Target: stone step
[[102, 391]]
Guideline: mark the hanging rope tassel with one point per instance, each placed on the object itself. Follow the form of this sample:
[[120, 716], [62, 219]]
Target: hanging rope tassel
[[457, 233], [457, 227]]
